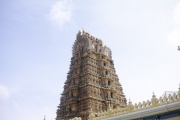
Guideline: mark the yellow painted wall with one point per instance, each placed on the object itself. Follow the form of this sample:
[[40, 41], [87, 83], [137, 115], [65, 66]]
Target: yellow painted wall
[[174, 118]]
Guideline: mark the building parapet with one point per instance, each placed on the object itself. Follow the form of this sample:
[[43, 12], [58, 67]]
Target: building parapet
[[138, 110]]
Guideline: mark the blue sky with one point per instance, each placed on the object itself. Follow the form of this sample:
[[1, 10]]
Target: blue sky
[[36, 39]]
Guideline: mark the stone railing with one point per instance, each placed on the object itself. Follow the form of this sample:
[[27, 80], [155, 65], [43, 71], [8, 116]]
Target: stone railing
[[130, 108]]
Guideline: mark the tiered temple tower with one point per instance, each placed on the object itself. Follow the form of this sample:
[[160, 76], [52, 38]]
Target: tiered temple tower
[[92, 83]]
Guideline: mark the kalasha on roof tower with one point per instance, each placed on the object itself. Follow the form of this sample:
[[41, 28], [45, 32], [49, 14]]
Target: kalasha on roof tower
[[92, 84]]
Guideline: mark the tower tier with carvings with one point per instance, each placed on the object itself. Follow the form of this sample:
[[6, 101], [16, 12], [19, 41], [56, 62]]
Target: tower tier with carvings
[[92, 84]]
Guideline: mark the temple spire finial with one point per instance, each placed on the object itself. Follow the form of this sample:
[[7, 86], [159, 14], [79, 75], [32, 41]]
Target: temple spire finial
[[81, 31], [154, 96], [129, 101]]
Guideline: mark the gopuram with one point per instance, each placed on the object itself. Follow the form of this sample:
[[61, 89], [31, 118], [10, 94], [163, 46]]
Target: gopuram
[[92, 84]]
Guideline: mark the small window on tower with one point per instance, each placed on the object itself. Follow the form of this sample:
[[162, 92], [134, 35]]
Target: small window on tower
[[114, 107], [109, 83], [104, 64], [111, 63], [72, 94], [106, 72], [111, 94]]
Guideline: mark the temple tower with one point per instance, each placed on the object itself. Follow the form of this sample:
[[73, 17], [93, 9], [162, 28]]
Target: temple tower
[[92, 83]]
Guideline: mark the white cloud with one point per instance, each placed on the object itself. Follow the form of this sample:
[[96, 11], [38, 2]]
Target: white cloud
[[61, 12], [176, 14], [16, 105], [174, 36], [4, 93]]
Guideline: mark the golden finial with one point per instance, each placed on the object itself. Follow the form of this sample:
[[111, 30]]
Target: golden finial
[[129, 101], [153, 95]]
